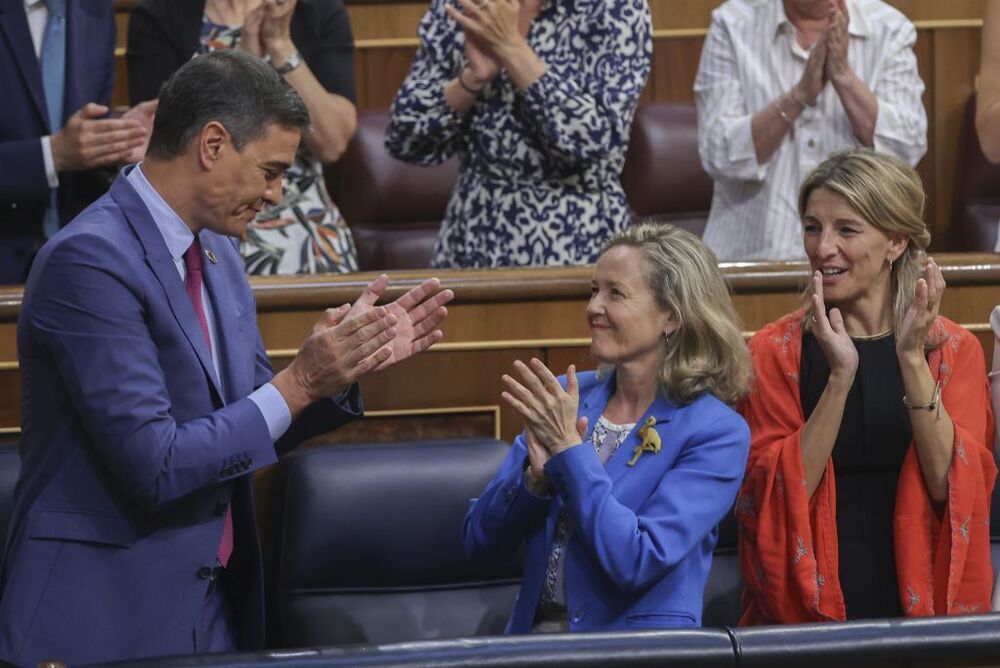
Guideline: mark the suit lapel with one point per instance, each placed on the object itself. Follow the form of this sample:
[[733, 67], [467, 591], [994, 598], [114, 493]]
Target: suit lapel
[[14, 26], [226, 305], [163, 267]]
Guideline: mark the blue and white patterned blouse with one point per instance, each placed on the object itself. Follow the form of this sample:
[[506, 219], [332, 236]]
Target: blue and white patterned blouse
[[539, 180]]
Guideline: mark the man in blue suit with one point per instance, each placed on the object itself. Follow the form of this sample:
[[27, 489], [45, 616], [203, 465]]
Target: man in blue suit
[[57, 70], [148, 399]]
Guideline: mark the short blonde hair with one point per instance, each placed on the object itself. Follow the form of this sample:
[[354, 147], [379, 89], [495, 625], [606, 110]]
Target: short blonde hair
[[707, 352], [888, 194]]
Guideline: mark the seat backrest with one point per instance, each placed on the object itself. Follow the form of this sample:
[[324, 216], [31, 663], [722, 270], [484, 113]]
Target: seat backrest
[[10, 467], [394, 209], [977, 191], [722, 606], [663, 177], [370, 544]]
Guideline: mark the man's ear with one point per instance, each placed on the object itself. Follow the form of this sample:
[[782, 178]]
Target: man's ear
[[212, 142]]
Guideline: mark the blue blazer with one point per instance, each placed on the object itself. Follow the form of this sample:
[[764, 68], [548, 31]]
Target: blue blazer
[[132, 448], [643, 535], [90, 76]]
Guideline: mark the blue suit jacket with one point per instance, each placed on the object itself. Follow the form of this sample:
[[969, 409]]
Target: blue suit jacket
[[90, 75], [132, 448], [642, 539]]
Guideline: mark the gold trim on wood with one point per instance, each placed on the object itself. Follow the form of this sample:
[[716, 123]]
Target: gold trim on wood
[[10, 430], [948, 24], [9, 366], [474, 346], [386, 43]]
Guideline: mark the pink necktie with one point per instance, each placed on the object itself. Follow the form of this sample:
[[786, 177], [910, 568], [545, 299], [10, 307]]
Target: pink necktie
[[192, 283]]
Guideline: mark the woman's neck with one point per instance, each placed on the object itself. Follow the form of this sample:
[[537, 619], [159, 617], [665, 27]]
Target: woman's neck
[[868, 315], [635, 389]]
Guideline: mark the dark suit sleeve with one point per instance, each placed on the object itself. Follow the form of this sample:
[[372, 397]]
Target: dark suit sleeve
[[22, 170], [83, 315], [322, 32], [152, 51]]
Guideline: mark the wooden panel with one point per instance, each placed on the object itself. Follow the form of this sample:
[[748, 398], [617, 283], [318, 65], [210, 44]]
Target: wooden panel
[[386, 21], [956, 62], [924, 50], [922, 11], [675, 64], [383, 72], [500, 316]]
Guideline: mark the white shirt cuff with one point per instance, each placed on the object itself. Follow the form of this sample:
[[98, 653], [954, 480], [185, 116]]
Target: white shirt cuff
[[50, 164], [273, 408]]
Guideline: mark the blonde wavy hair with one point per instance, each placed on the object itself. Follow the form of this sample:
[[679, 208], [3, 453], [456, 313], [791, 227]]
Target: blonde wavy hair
[[707, 352], [888, 194]]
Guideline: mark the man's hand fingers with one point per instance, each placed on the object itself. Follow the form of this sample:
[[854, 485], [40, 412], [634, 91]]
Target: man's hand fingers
[[112, 129], [331, 317], [91, 110], [429, 323], [415, 296], [353, 323], [373, 291], [372, 362], [424, 342]]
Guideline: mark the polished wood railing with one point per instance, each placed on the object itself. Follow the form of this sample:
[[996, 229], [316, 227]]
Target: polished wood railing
[[499, 316]]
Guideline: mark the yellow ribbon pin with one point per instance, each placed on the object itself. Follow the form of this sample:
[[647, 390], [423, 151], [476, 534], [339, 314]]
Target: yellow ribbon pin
[[650, 440]]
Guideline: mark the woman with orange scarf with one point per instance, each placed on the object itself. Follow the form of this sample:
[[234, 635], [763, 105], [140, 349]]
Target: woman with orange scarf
[[868, 483]]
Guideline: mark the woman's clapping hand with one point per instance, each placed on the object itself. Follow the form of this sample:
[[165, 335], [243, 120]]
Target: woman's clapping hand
[[549, 411]]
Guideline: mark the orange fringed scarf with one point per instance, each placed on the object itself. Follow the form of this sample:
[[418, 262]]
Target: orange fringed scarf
[[788, 542]]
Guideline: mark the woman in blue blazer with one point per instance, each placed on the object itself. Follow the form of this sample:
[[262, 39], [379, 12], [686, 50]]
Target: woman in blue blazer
[[620, 477]]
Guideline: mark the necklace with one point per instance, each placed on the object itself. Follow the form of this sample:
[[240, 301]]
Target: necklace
[[870, 337]]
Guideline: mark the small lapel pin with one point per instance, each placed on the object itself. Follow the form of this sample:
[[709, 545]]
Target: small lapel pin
[[210, 255], [650, 440]]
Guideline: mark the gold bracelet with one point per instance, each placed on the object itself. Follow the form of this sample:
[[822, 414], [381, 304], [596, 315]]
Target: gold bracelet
[[933, 405], [474, 92]]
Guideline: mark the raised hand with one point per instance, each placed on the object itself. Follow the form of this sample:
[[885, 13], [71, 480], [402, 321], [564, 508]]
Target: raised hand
[[837, 39], [250, 34], [417, 314], [340, 349], [813, 78], [912, 335], [548, 410], [145, 114], [483, 65], [494, 25], [276, 27], [88, 140], [832, 336]]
